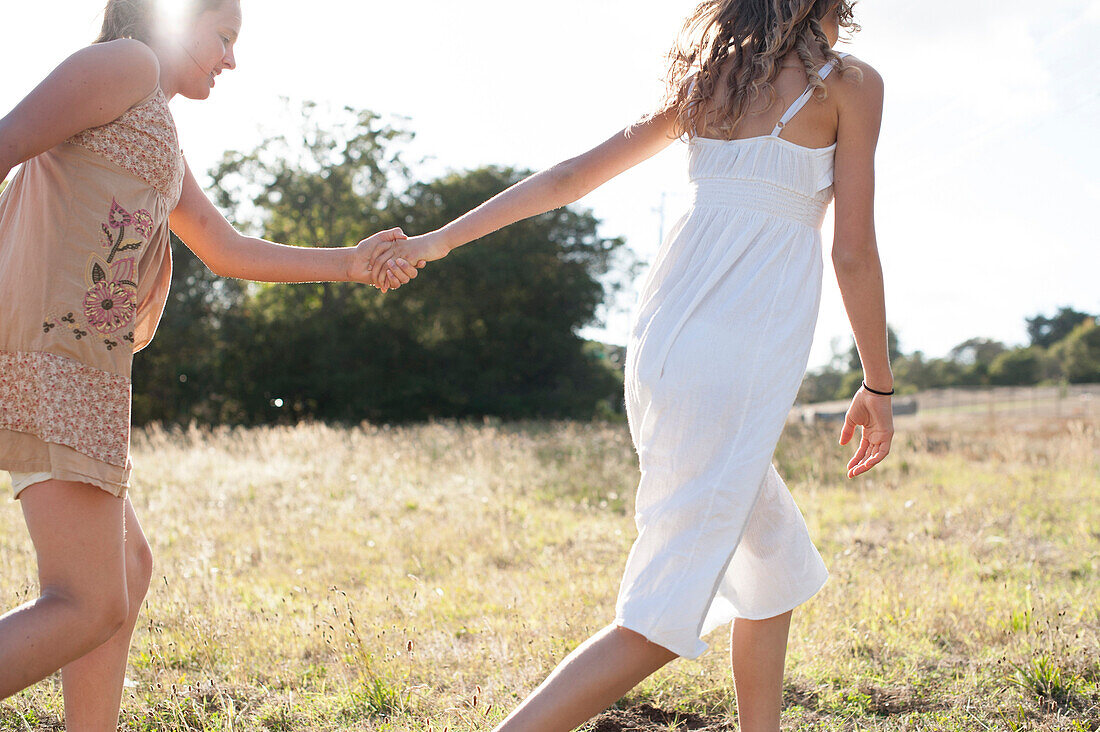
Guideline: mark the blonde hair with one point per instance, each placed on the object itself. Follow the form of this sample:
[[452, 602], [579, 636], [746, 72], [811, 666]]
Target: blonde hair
[[729, 52], [137, 18]]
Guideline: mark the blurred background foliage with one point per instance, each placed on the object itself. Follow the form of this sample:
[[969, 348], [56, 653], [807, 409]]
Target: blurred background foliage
[[492, 330]]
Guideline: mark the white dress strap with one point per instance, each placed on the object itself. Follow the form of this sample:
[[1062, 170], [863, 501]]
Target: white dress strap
[[805, 97]]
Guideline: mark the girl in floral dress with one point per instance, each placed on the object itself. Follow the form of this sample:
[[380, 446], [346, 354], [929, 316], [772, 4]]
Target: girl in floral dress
[[85, 266]]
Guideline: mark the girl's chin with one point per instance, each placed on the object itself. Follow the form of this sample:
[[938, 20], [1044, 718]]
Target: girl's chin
[[198, 92]]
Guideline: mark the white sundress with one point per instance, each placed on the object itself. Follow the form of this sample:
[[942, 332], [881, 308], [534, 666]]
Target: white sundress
[[719, 346]]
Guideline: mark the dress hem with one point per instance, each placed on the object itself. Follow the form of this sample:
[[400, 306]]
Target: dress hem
[[696, 651]]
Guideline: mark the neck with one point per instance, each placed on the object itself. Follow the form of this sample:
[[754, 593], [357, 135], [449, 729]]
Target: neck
[[171, 61], [831, 26]]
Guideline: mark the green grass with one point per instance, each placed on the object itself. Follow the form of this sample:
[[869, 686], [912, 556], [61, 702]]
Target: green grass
[[318, 578]]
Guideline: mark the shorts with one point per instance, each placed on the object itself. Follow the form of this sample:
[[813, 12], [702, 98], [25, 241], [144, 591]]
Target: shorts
[[22, 481]]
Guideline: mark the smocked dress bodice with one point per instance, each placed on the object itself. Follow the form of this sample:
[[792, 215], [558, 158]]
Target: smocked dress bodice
[[766, 174]]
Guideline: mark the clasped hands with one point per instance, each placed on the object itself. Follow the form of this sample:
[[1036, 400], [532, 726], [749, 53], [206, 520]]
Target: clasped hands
[[386, 260]]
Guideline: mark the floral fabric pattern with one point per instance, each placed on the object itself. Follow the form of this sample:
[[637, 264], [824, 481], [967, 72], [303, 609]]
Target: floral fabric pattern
[[63, 401], [143, 141]]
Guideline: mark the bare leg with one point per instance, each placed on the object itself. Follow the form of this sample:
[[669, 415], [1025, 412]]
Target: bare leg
[[77, 535], [93, 683], [590, 679], [758, 649]]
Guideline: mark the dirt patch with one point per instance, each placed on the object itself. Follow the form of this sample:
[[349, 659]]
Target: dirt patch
[[647, 718]]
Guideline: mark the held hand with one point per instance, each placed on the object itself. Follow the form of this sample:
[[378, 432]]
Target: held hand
[[874, 415], [372, 262], [393, 274], [422, 249]]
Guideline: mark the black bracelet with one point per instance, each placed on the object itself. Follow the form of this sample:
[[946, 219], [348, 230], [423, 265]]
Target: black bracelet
[[880, 393]]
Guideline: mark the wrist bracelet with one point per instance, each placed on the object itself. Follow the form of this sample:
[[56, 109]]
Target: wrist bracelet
[[880, 393]]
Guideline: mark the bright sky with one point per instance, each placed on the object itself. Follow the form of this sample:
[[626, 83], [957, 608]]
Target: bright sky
[[987, 184]]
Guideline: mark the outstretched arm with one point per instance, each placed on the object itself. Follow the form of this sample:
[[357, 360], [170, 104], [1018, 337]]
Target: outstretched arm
[[230, 254], [857, 265], [547, 190]]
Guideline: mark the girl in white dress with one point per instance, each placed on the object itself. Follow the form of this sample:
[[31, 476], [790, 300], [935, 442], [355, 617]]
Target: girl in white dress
[[777, 124]]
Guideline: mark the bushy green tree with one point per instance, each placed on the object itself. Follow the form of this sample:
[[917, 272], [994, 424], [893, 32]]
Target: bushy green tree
[[1079, 353], [1045, 332], [1017, 367], [971, 360], [820, 385], [915, 372], [490, 330], [187, 372], [321, 350], [501, 316]]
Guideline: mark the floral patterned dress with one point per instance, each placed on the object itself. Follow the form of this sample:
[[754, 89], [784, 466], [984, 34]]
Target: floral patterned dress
[[85, 265]]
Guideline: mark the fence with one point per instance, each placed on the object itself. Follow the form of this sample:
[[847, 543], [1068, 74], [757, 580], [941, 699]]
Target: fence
[[986, 403]]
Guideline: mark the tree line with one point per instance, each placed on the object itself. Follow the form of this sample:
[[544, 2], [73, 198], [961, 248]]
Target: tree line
[[490, 330], [1062, 348]]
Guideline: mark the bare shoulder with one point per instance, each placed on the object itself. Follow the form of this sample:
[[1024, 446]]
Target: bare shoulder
[[858, 92], [93, 87], [127, 69]]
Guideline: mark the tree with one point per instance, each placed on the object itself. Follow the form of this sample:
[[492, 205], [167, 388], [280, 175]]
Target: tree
[[1079, 353], [1045, 332], [490, 330], [819, 385], [971, 360], [976, 351], [186, 372], [849, 385], [1018, 367], [915, 372], [502, 316], [318, 349]]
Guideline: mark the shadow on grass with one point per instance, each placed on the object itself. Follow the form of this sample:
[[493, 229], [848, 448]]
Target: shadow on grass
[[647, 717]]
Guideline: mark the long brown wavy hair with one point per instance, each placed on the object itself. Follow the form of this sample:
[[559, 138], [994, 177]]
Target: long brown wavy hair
[[729, 52], [137, 18]]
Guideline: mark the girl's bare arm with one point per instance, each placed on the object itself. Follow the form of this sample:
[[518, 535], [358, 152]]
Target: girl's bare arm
[[94, 86], [856, 261], [855, 248], [558, 186], [230, 254]]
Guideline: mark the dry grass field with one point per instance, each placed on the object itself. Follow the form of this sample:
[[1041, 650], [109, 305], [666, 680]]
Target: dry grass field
[[426, 578]]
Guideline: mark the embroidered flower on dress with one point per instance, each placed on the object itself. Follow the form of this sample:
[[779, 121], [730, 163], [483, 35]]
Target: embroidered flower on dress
[[143, 222], [109, 306], [110, 302], [118, 217], [124, 271]]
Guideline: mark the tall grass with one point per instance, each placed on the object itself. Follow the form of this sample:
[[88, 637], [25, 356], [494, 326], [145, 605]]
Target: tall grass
[[428, 577]]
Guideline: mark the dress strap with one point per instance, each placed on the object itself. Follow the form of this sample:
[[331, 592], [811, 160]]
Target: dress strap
[[805, 97]]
